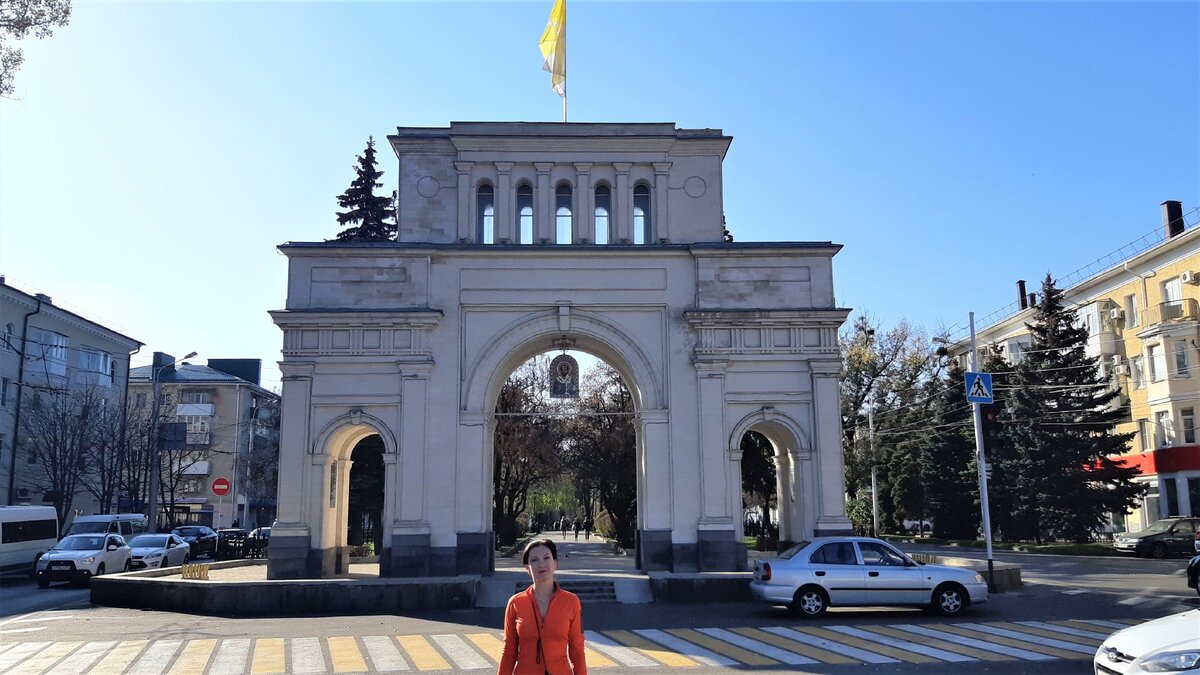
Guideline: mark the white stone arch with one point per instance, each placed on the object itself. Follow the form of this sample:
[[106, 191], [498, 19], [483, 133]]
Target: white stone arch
[[338, 438], [535, 333], [795, 475]]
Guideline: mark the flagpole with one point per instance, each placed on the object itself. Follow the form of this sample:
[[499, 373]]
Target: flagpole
[[564, 107]]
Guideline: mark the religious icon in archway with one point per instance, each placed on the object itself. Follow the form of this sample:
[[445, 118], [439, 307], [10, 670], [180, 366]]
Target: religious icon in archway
[[564, 377]]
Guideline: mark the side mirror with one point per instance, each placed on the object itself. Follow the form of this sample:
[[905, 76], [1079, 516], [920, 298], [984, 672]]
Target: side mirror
[[112, 546]]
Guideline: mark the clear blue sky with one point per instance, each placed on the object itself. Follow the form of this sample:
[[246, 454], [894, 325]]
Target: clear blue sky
[[160, 151]]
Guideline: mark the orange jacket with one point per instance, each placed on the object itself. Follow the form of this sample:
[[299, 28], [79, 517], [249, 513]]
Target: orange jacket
[[561, 635]]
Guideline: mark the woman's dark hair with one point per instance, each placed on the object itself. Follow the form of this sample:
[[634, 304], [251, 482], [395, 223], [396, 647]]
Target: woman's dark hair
[[534, 544]]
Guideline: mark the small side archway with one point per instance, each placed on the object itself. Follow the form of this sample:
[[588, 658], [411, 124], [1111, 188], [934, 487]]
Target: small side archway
[[795, 475]]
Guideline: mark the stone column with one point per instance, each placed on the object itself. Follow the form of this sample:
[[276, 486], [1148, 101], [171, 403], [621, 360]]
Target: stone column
[[622, 199], [584, 208], [715, 529], [654, 547], [660, 223], [410, 529], [543, 199], [831, 513], [505, 218], [466, 205], [289, 559]]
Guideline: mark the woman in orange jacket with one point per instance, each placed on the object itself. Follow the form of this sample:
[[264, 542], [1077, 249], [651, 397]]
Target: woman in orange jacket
[[543, 625]]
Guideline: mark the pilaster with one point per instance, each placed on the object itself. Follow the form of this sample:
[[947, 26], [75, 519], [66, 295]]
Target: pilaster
[[585, 209], [506, 220], [623, 204], [466, 205], [659, 220], [543, 213]]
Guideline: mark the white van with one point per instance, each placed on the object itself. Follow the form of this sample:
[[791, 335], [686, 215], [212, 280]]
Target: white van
[[125, 524], [26, 532]]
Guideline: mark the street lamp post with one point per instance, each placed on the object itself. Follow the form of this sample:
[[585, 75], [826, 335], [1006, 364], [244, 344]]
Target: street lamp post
[[155, 442]]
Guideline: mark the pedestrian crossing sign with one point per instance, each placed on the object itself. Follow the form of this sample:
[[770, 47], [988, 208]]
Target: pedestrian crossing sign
[[979, 387]]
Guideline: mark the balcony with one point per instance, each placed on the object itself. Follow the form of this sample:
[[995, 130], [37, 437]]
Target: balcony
[[199, 438], [200, 468], [1175, 310], [194, 410]]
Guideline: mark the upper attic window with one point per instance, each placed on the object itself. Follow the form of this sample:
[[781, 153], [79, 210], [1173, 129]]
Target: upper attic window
[[603, 208], [562, 214], [485, 221], [525, 214], [641, 214]]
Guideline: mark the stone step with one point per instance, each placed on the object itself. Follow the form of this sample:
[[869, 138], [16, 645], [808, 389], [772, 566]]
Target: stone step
[[588, 591]]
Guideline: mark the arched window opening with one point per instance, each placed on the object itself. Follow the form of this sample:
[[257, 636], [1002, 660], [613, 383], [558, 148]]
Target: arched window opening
[[603, 208], [641, 214], [525, 215], [562, 214], [485, 221]]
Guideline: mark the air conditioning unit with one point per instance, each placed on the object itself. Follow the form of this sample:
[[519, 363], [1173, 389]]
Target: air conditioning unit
[[1116, 314], [1190, 277], [1122, 368]]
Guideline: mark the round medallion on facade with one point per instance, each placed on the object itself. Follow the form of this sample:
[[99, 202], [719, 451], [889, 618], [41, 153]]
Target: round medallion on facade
[[695, 187], [428, 187]]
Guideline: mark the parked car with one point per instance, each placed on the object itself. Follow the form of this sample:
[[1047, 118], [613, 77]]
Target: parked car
[[125, 524], [159, 550], [201, 540], [1169, 536], [828, 572], [1196, 544], [79, 557], [1193, 574], [26, 533], [1170, 644]]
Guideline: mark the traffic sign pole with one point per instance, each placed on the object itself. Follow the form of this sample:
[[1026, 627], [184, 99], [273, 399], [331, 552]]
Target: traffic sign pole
[[981, 464]]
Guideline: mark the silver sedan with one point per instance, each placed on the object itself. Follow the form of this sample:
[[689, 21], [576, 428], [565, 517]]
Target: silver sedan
[[828, 572], [159, 550]]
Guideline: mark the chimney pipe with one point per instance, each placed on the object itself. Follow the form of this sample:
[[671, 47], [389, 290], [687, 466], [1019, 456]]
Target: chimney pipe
[[1032, 299], [1172, 216], [1021, 295]]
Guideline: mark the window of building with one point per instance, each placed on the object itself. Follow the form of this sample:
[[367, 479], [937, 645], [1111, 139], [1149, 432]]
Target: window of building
[[195, 397], [140, 400], [96, 367], [1137, 371], [1144, 437], [1016, 351], [1187, 419], [603, 208], [525, 214], [641, 215], [1171, 493], [1172, 290], [1193, 488], [1181, 359], [1131, 311], [47, 352], [485, 220], [1087, 319], [1158, 363], [10, 333], [562, 215], [4, 391], [1164, 434]]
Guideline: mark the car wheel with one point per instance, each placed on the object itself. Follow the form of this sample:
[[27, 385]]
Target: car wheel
[[949, 599], [99, 570], [33, 570], [186, 560], [43, 582], [810, 601], [1158, 550]]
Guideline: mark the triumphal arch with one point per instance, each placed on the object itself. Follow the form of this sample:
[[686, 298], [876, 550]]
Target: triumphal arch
[[515, 238]]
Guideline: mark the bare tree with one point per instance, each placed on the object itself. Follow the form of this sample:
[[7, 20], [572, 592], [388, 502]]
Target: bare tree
[[58, 427], [258, 470], [18, 18], [103, 457]]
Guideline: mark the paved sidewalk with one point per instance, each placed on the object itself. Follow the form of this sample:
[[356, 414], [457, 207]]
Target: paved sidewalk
[[579, 559]]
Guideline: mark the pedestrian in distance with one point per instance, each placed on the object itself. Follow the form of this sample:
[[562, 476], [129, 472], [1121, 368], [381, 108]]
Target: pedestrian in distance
[[543, 625], [587, 528], [576, 524], [564, 522]]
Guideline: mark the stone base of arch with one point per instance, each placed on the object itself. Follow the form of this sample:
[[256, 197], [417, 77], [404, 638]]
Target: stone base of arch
[[409, 555], [716, 550]]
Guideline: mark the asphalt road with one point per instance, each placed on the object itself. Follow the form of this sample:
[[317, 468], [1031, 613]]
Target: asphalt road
[[1102, 591]]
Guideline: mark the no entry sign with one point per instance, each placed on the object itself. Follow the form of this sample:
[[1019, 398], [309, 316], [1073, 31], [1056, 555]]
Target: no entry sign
[[220, 487]]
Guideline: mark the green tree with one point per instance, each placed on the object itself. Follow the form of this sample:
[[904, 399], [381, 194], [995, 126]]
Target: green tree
[[946, 460], [758, 474], [19, 18], [368, 217], [1062, 432], [365, 493]]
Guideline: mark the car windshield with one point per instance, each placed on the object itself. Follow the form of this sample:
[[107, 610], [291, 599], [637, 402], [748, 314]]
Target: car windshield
[[80, 544], [148, 541], [89, 528], [188, 531], [793, 550], [1160, 526]]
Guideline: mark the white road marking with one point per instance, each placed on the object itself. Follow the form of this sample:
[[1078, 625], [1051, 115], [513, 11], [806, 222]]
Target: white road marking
[[383, 652], [830, 645], [978, 644], [45, 618], [1077, 591], [1066, 630], [19, 653], [1035, 639], [901, 644], [461, 653], [157, 657], [32, 629], [231, 657], [1106, 624], [769, 651], [307, 656], [621, 653], [1135, 600], [82, 659], [686, 648]]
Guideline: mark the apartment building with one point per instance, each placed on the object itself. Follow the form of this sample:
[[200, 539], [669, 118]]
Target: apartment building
[[1141, 312], [228, 428], [45, 349]]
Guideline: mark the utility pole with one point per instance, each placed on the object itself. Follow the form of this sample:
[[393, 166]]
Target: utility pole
[[981, 465]]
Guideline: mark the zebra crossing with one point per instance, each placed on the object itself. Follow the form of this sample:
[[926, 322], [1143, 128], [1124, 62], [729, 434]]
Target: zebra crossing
[[779, 646]]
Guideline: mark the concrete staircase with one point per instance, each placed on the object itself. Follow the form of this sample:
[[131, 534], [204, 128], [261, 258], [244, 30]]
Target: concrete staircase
[[589, 592]]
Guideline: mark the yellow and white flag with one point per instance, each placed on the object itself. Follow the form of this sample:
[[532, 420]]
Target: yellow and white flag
[[554, 47]]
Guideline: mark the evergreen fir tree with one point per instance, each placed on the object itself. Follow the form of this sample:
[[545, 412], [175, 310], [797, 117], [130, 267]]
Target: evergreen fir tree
[[947, 461], [369, 217], [1061, 435]]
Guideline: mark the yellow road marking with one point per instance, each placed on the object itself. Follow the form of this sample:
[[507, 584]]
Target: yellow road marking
[[597, 660], [650, 649], [120, 657], [944, 645], [194, 657], [903, 655], [268, 656], [421, 653], [723, 648], [1031, 630], [1009, 642], [793, 646], [347, 658], [489, 644], [45, 658]]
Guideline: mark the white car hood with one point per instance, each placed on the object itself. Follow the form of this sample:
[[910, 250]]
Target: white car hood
[[144, 551], [1170, 633], [69, 555], [949, 570]]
